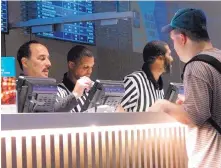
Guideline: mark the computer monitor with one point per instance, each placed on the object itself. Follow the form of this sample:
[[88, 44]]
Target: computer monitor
[[107, 97], [36, 94], [173, 90]]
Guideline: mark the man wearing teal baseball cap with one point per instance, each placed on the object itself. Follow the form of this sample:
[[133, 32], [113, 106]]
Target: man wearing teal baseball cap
[[200, 107]]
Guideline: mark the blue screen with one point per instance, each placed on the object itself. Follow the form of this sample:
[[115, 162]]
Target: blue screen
[[4, 16], [181, 90], [80, 32], [150, 17], [114, 88]]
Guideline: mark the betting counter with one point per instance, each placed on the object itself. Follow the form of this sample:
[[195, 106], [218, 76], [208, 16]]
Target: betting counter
[[92, 140]]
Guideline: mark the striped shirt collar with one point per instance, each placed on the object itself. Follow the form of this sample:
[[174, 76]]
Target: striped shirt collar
[[68, 83]]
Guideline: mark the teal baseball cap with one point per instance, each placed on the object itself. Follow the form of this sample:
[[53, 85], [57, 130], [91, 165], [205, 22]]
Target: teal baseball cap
[[188, 19]]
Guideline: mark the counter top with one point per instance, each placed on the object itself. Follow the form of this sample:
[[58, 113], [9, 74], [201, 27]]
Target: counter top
[[26, 121]]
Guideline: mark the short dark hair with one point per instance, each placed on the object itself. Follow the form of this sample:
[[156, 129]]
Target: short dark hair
[[24, 51], [196, 36], [152, 50], [77, 52]]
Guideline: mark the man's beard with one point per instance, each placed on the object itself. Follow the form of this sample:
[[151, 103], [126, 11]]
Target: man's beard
[[167, 67]]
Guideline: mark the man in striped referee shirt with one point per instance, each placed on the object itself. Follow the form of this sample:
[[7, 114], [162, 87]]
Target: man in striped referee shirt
[[80, 65], [201, 107], [144, 87]]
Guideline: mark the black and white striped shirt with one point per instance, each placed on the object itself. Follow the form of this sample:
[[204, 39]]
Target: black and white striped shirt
[[140, 92], [64, 92], [65, 89]]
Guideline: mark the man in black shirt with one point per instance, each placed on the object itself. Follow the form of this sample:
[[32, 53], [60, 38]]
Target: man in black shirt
[[80, 65]]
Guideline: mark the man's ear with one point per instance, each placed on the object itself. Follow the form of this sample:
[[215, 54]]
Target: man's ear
[[24, 62], [183, 39], [160, 57], [71, 64]]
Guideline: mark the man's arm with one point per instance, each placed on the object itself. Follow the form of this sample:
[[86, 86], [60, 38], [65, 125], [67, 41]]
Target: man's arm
[[196, 108], [65, 102], [177, 112], [174, 110]]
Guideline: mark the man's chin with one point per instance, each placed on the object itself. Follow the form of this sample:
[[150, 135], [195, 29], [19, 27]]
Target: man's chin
[[83, 76], [88, 76], [44, 75]]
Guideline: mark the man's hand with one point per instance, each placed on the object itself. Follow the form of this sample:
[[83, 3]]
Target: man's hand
[[120, 108], [175, 110], [82, 84], [180, 99], [158, 106]]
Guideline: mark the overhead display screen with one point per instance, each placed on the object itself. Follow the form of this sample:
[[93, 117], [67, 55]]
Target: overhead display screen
[[80, 32], [4, 16]]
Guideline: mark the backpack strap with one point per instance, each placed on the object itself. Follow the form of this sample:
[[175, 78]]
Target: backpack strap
[[214, 124], [207, 59], [217, 65]]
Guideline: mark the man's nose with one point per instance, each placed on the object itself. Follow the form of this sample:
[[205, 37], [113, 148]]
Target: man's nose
[[90, 71], [48, 63], [171, 59]]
